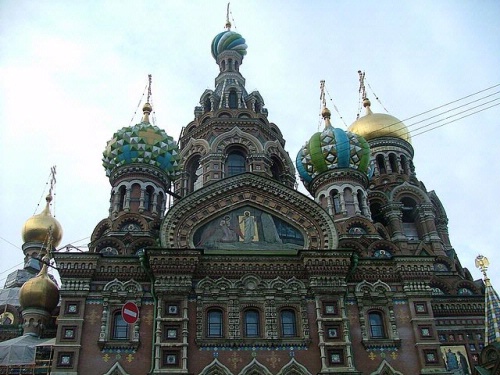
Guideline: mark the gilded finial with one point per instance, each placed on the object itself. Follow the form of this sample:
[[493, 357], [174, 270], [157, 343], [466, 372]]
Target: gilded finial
[[483, 263], [228, 23], [325, 112]]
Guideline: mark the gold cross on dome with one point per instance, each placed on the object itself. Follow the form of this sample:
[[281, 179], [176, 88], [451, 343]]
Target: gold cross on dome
[[150, 136]]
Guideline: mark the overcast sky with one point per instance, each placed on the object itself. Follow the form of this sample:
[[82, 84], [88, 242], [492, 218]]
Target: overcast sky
[[73, 72]]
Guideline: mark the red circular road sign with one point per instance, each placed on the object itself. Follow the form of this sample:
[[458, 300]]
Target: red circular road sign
[[130, 312]]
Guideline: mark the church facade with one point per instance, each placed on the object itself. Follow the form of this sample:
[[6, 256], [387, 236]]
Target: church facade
[[244, 274]]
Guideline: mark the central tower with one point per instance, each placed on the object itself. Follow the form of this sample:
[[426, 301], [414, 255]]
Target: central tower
[[230, 133]]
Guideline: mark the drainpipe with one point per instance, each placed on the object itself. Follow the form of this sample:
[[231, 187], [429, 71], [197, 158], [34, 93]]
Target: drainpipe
[[145, 265]]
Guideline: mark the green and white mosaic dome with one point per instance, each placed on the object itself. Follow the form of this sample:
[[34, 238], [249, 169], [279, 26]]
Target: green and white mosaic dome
[[142, 143], [330, 149]]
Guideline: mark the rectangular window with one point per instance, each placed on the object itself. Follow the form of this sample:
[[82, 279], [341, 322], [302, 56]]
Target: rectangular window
[[214, 323], [251, 318]]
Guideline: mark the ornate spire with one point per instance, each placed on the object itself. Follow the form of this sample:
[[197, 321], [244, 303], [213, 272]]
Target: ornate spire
[[492, 304], [228, 23], [325, 112], [147, 108]]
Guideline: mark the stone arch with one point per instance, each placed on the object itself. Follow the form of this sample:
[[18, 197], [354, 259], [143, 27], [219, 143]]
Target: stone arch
[[115, 286], [101, 228], [194, 146], [236, 136], [116, 369], [105, 242], [410, 191], [131, 218], [255, 368], [185, 217], [385, 369], [293, 368], [216, 368]]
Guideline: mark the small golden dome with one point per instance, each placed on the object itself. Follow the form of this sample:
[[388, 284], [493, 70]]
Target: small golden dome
[[39, 292], [376, 125], [37, 227], [325, 113]]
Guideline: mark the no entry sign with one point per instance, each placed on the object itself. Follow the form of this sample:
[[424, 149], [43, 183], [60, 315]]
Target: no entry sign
[[130, 312]]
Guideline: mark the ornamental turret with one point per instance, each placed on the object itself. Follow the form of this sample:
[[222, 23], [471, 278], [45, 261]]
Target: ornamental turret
[[334, 166], [231, 133]]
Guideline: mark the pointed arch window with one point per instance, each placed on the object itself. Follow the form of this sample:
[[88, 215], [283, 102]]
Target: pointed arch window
[[288, 323], [251, 323], [120, 327], [233, 99], [214, 323]]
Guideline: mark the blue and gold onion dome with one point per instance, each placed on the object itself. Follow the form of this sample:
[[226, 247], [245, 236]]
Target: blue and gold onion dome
[[142, 143], [332, 149], [228, 41]]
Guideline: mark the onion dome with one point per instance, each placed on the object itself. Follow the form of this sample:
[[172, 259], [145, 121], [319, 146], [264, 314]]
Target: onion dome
[[40, 291], [376, 125], [38, 227], [332, 149], [228, 41], [142, 143]]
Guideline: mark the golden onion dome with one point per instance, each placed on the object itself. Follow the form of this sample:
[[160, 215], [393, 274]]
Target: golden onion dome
[[37, 227], [376, 125], [39, 292]]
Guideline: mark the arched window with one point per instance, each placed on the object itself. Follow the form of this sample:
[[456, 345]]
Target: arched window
[[233, 99], [349, 202], [214, 323], [276, 169], [148, 199], [252, 323], [361, 204], [120, 327], [393, 163], [376, 322], [122, 191], [288, 323], [235, 163], [135, 197], [404, 165], [207, 106], [193, 173], [409, 210], [381, 164], [337, 209]]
